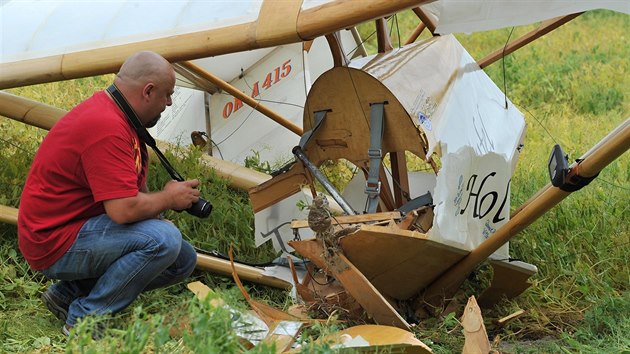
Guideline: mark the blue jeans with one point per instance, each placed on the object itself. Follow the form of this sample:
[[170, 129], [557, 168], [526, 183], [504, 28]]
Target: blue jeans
[[110, 264]]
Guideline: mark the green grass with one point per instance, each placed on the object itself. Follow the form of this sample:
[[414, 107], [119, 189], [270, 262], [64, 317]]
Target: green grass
[[573, 87]]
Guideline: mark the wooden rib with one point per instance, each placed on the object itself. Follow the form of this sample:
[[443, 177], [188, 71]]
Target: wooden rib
[[387, 198], [382, 36], [243, 97], [400, 177], [339, 58], [509, 279], [425, 18], [407, 222], [311, 23], [353, 219], [416, 33], [544, 28], [267, 313]]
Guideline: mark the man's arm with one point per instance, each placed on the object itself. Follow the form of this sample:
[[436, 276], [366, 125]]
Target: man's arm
[[175, 195]]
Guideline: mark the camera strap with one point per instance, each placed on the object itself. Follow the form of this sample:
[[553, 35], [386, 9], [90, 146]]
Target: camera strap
[[142, 132]]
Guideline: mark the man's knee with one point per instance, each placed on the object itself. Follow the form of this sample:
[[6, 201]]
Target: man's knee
[[166, 235]]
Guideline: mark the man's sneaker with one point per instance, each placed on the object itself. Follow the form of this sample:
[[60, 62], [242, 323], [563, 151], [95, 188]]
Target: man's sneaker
[[66, 330], [98, 330], [56, 305]]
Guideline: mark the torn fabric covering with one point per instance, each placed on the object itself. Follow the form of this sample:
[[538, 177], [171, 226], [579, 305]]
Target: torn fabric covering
[[458, 107], [475, 16]]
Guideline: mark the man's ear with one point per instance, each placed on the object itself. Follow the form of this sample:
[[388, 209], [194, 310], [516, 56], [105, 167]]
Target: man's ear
[[147, 90]]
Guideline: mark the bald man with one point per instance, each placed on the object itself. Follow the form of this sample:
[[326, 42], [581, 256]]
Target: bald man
[[86, 215]]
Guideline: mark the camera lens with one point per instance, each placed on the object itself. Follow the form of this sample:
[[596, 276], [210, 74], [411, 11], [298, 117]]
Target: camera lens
[[201, 209]]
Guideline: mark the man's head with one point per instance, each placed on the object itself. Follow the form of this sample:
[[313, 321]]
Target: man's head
[[147, 81]]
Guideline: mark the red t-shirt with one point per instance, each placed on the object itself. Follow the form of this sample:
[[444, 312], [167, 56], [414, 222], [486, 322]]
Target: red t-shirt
[[90, 155]]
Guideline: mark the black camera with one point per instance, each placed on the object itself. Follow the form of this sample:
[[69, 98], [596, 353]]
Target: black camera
[[201, 209]]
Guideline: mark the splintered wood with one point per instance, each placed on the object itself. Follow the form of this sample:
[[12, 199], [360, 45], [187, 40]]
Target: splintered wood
[[476, 338]]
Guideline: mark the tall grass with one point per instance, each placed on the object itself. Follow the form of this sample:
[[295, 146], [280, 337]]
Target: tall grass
[[573, 87]]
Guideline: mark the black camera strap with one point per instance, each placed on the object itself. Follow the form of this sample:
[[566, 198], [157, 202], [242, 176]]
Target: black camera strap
[[142, 132]]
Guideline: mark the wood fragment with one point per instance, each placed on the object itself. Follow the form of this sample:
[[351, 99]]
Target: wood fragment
[[503, 321], [380, 339], [268, 314], [407, 222], [283, 334], [476, 338], [202, 291]]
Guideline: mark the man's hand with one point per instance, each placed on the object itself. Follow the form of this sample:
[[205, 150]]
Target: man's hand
[[182, 194], [175, 195]]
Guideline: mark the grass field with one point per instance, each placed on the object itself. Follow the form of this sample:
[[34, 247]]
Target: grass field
[[573, 87]]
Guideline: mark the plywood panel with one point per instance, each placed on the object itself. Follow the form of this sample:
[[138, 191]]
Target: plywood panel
[[509, 280], [345, 133], [398, 263]]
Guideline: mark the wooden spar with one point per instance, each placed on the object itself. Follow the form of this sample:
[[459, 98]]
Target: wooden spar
[[545, 27], [28, 111], [265, 32], [616, 131], [336, 15], [243, 97], [44, 116], [382, 36], [416, 33], [607, 150], [426, 19], [8, 215], [398, 162], [253, 274]]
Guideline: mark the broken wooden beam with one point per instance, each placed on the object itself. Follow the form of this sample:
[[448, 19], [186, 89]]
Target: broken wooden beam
[[353, 281], [352, 219]]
